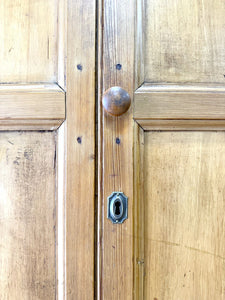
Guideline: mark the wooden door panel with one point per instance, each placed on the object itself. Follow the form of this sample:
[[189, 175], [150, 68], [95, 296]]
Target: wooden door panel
[[184, 234], [184, 41], [29, 39], [47, 170], [28, 222], [30, 99], [176, 200]]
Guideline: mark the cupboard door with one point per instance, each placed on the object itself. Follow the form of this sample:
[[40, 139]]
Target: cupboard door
[[47, 152], [166, 152]]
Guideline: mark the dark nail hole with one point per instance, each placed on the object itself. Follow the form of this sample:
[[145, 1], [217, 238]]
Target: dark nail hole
[[79, 67], [79, 140], [117, 141], [118, 66]]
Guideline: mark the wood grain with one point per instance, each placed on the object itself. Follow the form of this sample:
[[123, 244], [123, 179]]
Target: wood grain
[[184, 215], [29, 39], [139, 238], [80, 149], [184, 41], [12, 125], [139, 36], [179, 102], [62, 43], [182, 125], [115, 143], [27, 216], [31, 106], [61, 211]]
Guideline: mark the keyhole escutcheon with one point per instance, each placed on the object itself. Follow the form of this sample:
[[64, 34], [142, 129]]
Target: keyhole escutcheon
[[117, 207]]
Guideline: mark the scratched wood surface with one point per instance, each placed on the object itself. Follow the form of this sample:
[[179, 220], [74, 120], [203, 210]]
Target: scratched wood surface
[[27, 216], [184, 204], [28, 31], [184, 41]]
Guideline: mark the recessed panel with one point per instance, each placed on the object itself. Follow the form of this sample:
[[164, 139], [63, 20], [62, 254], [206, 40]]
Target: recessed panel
[[27, 216], [184, 41], [28, 33], [184, 220]]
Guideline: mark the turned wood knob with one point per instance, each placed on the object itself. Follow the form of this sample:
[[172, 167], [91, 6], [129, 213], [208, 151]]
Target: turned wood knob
[[116, 101]]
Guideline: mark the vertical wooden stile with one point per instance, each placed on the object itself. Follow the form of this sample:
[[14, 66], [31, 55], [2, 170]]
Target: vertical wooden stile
[[116, 40], [80, 152]]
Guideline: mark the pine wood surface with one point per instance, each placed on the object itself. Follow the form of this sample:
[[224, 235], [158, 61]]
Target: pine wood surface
[[80, 149], [37, 107], [184, 215], [29, 41], [27, 216], [184, 41], [115, 243]]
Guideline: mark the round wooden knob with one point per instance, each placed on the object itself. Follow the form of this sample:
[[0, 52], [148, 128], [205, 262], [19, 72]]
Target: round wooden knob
[[116, 101]]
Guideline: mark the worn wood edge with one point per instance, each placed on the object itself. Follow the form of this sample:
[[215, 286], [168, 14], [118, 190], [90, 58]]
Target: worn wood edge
[[139, 43], [171, 87], [57, 228], [60, 200], [11, 88], [12, 125], [62, 43], [99, 208], [138, 148], [194, 125], [180, 102], [61, 155], [138, 214]]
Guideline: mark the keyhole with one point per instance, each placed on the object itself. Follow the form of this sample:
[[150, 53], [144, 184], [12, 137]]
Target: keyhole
[[117, 208]]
